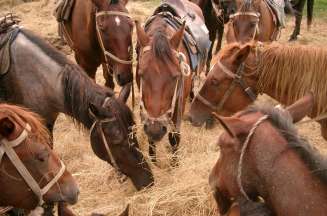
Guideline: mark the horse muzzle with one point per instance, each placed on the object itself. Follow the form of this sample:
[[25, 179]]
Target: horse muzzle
[[155, 130]]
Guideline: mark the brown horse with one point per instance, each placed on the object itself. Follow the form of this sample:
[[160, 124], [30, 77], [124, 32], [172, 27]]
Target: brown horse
[[277, 169], [244, 207], [254, 20], [164, 77], [44, 80], [284, 72], [100, 32], [31, 173]]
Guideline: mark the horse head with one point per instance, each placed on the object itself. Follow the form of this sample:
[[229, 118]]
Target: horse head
[[114, 29], [159, 75], [31, 173], [225, 89]]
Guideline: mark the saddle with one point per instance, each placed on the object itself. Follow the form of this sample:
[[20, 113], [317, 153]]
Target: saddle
[[196, 38], [63, 10], [277, 9], [8, 32]]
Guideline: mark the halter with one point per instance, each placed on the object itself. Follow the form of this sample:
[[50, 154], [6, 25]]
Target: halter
[[166, 118], [254, 14], [7, 147], [243, 151], [108, 55], [99, 122], [237, 80]]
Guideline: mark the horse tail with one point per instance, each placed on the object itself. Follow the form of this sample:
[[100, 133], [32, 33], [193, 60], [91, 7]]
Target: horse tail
[[309, 12]]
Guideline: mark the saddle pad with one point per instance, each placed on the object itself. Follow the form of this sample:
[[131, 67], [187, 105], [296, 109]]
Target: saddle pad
[[6, 40], [63, 10], [277, 7]]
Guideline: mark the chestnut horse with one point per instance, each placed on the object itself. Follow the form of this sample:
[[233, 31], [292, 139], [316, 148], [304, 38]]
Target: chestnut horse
[[100, 32], [284, 72], [254, 20], [164, 78], [31, 173], [277, 169], [44, 80]]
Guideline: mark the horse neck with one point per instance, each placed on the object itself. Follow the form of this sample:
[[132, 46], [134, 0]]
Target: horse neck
[[79, 92], [285, 182]]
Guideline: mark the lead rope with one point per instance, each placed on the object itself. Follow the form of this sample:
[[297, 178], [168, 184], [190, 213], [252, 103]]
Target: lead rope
[[243, 151]]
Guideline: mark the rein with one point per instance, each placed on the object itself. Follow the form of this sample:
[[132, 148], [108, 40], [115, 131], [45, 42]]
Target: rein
[[7, 147], [243, 151], [237, 80], [167, 117], [99, 122]]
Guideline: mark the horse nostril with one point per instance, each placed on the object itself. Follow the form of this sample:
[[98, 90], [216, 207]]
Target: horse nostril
[[163, 129]]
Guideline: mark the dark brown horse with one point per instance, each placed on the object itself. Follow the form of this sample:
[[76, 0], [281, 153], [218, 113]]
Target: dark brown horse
[[284, 72], [216, 14], [100, 32], [31, 173], [45, 81], [298, 6], [277, 169], [164, 77], [244, 207], [254, 20]]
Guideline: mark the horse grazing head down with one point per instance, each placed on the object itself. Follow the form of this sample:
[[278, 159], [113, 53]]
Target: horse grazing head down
[[228, 86], [115, 29], [24, 148], [159, 76], [246, 156]]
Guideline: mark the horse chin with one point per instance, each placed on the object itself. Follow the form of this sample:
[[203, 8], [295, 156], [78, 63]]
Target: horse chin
[[144, 180]]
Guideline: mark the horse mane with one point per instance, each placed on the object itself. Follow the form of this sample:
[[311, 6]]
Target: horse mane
[[114, 1], [294, 70], [246, 5], [19, 114], [161, 47], [283, 122]]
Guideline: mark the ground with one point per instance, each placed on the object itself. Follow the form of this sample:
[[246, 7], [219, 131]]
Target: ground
[[181, 191]]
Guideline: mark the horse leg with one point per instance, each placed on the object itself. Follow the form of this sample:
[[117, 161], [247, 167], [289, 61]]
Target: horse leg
[[298, 9], [212, 37], [108, 76], [174, 139], [220, 33], [323, 128], [89, 68], [50, 127], [63, 210], [152, 151]]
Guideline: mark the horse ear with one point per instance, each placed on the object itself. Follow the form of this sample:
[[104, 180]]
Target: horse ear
[[242, 53], [124, 92], [177, 38], [94, 111], [6, 127], [225, 125], [301, 107], [142, 37]]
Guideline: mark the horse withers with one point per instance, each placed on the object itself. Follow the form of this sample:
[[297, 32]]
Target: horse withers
[[100, 32], [31, 173], [164, 69]]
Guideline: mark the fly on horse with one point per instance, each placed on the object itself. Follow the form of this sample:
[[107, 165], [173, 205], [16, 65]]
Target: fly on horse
[[284, 72], [100, 32], [255, 20], [44, 80], [216, 14], [277, 169], [31, 173], [172, 46]]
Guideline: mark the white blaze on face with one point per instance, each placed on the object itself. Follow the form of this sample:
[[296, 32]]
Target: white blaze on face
[[117, 20]]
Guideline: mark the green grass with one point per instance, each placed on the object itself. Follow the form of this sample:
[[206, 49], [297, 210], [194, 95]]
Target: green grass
[[320, 9]]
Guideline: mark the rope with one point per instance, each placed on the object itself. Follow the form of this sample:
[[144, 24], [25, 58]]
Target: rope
[[243, 151]]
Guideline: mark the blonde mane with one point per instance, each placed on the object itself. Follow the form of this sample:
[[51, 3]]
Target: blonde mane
[[294, 70]]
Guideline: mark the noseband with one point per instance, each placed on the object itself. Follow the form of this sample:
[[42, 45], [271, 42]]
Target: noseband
[[99, 122], [254, 14], [7, 147], [108, 55], [237, 80], [166, 118]]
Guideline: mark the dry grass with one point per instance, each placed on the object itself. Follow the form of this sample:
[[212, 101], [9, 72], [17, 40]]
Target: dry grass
[[181, 191]]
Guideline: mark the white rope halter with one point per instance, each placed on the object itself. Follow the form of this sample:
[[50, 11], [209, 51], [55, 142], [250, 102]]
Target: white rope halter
[[7, 147]]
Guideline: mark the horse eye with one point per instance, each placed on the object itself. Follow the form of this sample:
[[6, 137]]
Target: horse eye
[[43, 156], [214, 82]]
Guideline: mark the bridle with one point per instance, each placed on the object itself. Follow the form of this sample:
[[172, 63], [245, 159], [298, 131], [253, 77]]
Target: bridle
[[107, 54], [177, 100], [99, 122], [254, 14], [7, 148], [237, 80]]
